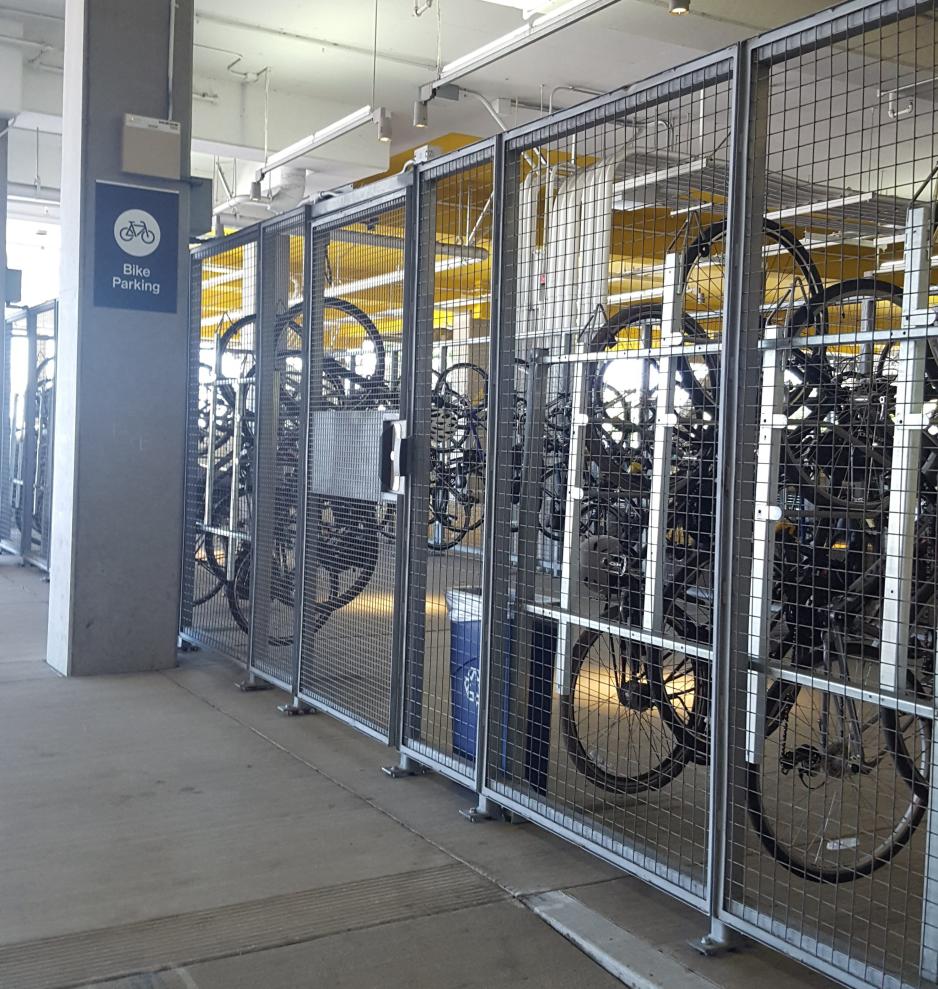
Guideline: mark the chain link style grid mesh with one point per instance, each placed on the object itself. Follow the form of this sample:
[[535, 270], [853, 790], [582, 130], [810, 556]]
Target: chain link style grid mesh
[[6, 424], [220, 446], [17, 377], [351, 525], [447, 463], [830, 846], [598, 700], [43, 425]]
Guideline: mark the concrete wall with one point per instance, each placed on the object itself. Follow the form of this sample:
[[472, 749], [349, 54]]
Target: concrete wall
[[120, 414]]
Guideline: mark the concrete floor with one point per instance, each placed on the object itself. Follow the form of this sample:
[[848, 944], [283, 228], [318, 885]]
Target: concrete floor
[[167, 831]]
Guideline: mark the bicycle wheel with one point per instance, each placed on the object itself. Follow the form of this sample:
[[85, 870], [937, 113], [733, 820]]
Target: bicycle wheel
[[371, 334], [344, 554], [842, 784], [789, 277], [211, 550], [451, 423], [466, 382], [837, 447], [452, 516], [634, 715], [622, 393]]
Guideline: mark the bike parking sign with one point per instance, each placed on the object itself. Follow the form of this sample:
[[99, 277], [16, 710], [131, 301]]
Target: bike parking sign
[[136, 247]]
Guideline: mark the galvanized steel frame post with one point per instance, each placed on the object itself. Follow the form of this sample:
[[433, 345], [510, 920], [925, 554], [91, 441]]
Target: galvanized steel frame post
[[313, 281], [496, 626], [408, 554], [739, 395]]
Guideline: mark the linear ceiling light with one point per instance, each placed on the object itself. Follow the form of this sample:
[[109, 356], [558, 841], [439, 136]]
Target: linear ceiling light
[[528, 8], [898, 264], [392, 277], [662, 175], [827, 206], [331, 132], [541, 27]]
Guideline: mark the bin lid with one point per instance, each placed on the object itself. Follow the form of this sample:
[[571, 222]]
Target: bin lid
[[464, 604]]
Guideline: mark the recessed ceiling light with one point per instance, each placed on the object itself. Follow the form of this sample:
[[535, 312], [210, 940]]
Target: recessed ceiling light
[[678, 6]]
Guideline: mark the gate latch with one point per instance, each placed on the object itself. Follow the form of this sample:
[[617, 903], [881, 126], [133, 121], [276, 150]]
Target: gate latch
[[394, 443]]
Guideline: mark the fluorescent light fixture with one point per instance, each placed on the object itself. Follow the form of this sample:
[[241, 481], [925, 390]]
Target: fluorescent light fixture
[[527, 7], [643, 293], [898, 264], [392, 277], [541, 27], [662, 175], [306, 145], [823, 207], [564, 10]]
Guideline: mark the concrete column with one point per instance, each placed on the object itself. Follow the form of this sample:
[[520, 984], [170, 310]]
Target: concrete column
[[121, 373]]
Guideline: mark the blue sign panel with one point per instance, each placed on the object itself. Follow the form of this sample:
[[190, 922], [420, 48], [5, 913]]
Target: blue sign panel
[[136, 247]]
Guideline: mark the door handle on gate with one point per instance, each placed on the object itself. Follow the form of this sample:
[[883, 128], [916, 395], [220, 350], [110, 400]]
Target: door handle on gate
[[394, 444]]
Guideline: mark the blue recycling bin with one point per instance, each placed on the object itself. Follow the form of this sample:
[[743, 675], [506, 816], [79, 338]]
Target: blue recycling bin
[[464, 605]]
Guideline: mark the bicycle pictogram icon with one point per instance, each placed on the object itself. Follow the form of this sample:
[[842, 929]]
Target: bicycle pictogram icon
[[137, 232], [137, 228]]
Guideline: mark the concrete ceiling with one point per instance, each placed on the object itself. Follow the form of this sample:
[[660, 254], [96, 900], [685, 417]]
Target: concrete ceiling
[[320, 63]]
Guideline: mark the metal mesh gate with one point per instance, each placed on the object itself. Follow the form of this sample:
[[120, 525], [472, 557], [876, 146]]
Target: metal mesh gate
[[361, 273], [220, 446], [830, 844], [28, 389], [280, 381], [447, 461], [606, 453]]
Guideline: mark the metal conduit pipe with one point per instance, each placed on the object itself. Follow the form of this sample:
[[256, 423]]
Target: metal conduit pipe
[[570, 89]]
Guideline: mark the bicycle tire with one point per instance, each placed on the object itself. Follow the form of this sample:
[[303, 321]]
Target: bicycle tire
[[686, 745], [780, 700], [701, 247], [802, 320]]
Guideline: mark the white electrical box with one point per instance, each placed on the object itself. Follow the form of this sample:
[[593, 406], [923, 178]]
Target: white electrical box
[[151, 146]]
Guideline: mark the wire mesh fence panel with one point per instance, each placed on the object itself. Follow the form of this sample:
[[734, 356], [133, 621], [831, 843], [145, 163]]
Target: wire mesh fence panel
[[220, 446], [447, 462], [6, 438], [830, 848], [271, 586], [18, 347], [608, 403], [42, 422], [351, 535]]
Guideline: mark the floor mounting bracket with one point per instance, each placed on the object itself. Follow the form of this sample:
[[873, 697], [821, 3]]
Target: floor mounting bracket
[[406, 767]]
